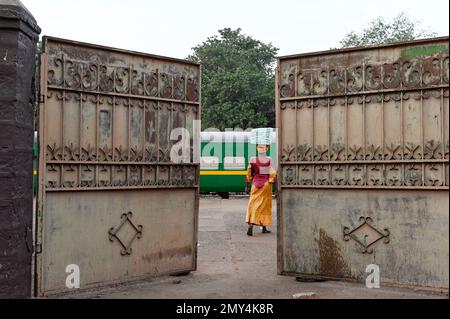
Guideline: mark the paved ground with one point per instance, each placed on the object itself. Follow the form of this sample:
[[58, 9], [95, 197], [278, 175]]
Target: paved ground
[[233, 265]]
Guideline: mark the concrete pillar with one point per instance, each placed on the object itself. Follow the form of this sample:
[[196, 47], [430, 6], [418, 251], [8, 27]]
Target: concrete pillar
[[18, 37]]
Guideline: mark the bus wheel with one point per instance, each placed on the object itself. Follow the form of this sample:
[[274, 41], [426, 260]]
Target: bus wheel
[[224, 195]]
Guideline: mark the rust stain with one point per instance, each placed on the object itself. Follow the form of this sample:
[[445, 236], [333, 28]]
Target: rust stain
[[331, 261], [169, 253]]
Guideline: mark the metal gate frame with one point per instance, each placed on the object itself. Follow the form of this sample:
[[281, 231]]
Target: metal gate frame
[[325, 79], [175, 84]]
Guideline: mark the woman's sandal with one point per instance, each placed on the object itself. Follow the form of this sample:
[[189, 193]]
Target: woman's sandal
[[265, 231]]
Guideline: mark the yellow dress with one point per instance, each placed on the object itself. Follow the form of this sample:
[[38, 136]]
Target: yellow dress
[[259, 210]]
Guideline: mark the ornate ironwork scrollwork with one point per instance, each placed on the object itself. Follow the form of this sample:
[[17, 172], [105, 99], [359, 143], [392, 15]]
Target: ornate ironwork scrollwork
[[366, 242], [113, 233]]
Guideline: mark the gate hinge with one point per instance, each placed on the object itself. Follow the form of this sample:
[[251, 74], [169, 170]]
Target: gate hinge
[[38, 248], [41, 98]]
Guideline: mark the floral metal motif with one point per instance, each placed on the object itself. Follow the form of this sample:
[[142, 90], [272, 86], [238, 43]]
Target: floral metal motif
[[66, 72], [373, 77], [89, 153], [393, 152], [433, 150], [113, 233], [321, 153], [413, 175], [322, 175], [337, 81], [375, 175], [362, 229], [306, 174], [373, 152], [288, 89], [111, 175], [392, 78], [411, 74], [304, 152], [337, 152], [393, 175], [355, 79], [289, 176], [105, 154], [288, 153], [376, 122], [366, 175], [355, 152], [339, 176], [412, 151]]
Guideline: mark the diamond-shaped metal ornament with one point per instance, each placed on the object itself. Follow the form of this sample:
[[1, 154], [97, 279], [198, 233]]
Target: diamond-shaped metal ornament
[[114, 233], [366, 235]]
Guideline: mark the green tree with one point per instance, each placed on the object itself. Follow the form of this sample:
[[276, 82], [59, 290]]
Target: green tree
[[237, 81], [380, 31]]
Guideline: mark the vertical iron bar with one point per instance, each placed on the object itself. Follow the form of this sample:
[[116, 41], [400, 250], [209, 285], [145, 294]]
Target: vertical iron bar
[[144, 109], [329, 124], [422, 127], [129, 141], [296, 73], [346, 140], [347, 168], [157, 126], [296, 139], [364, 136], [314, 141], [114, 114], [143, 141], [422, 133], [80, 137], [97, 138], [383, 128], [442, 112], [171, 124], [61, 175], [113, 127]]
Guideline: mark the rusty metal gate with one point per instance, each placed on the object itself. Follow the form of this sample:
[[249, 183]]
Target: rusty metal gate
[[363, 153], [110, 200]]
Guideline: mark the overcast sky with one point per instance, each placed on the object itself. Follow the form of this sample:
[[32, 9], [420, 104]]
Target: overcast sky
[[173, 27]]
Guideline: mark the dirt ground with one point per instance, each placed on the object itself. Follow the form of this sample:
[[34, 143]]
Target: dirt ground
[[234, 265]]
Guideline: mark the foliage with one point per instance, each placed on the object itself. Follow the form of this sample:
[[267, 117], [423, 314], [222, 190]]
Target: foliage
[[237, 81], [380, 31]]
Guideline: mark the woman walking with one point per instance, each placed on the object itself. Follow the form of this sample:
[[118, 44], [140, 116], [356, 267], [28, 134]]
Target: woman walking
[[261, 174]]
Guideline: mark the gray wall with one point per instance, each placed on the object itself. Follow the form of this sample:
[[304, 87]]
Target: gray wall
[[18, 37]]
